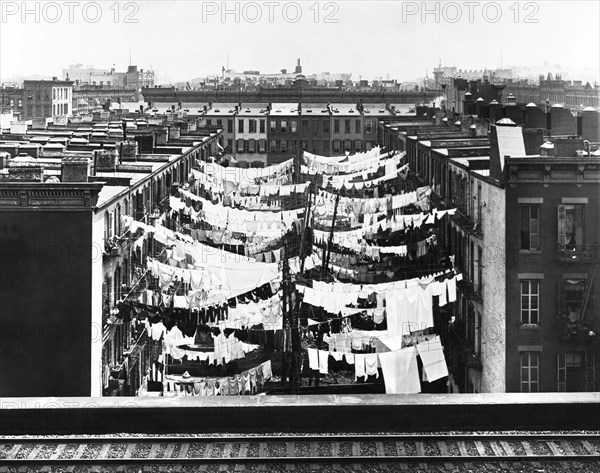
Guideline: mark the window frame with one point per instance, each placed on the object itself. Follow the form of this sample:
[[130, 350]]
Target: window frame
[[532, 371], [527, 224], [527, 313]]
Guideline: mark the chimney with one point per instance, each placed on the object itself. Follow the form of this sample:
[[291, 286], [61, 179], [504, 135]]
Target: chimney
[[25, 168], [174, 132], [128, 150], [105, 159], [75, 169]]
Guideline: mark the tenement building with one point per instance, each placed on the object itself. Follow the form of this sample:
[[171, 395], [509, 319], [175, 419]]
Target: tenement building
[[66, 212], [525, 237]]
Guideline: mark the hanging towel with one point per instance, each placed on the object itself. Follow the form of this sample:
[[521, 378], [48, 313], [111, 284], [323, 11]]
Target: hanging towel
[[434, 362], [359, 366], [400, 371], [323, 361], [349, 358], [451, 285], [313, 358], [266, 369], [371, 365]]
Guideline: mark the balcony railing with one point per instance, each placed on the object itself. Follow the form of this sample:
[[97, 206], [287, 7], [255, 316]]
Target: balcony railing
[[574, 328], [578, 253]]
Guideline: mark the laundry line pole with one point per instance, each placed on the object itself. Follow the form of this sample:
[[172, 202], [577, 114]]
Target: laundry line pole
[[327, 249]]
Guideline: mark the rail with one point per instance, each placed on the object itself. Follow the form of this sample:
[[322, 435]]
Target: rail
[[539, 449]]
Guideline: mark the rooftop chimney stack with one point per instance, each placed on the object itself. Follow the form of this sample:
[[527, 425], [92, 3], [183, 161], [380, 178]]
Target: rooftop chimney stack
[[75, 169]]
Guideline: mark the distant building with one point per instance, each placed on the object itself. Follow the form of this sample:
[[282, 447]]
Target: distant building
[[47, 98]]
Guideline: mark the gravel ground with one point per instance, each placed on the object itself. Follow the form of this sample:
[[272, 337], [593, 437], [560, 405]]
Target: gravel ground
[[523, 467], [277, 449], [141, 451], [368, 449], [431, 448], [517, 448], [196, 450], [302, 449], [540, 448], [117, 450], [345, 449]]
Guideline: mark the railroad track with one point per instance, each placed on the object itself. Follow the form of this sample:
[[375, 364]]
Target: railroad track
[[233, 453]]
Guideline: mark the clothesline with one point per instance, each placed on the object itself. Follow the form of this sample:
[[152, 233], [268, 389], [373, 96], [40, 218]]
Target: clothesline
[[348, 168], [399, 367], [245, 382]]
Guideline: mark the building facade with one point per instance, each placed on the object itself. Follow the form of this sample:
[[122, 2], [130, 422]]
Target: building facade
[[66, 235], [47, 99]]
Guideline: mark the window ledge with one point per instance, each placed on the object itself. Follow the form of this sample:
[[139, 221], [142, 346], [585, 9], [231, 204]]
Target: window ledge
[[529, 326], [530, 252]]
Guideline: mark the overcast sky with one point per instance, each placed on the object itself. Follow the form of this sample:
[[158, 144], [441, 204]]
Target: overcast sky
[[189, 39]]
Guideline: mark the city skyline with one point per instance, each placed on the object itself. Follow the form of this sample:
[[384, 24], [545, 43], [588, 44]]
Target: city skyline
[[186, 39]]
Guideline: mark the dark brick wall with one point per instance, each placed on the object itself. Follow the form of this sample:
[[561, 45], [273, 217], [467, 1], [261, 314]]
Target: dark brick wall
[[45, 308]]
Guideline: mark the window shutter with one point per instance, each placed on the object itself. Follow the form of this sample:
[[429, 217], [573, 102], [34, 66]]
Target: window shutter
[[590, 372], [562, 227], [579, 225], [562, 372]]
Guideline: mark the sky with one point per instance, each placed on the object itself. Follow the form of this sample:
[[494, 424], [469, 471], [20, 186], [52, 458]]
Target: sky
[[188, 39]]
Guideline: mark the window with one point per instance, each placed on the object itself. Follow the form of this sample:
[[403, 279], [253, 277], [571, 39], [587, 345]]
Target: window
[[347, 146], [358, 146], [229, 126], [336, 126], [241, 126], [480, 269], [272, 145], [283, 126], [530, 227], [284, 146], [315, 146], [240, 146], [530, 372], [530, 303], [472, 263], [219, 123], [571, 372], [571, 225], [262, 126], [347, 126], [570, 298], [357, 126], [251, 146], [326, 126], [252, 126], [304, 125], [262, 145], [273, 126], [369, 126], [336, 146], [208, 122], [293, 126], [294, 145]]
